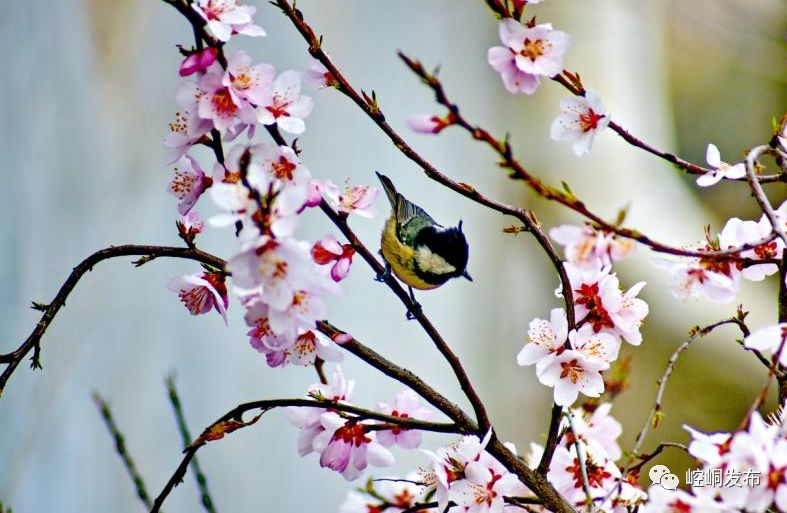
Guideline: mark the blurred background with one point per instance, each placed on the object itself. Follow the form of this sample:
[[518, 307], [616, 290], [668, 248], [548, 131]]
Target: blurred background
[[87, 93]]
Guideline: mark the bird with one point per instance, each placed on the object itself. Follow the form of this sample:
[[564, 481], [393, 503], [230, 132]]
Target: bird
[[421, 253]]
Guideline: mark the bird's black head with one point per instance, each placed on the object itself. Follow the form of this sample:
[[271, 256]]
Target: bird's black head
[[444, 253]]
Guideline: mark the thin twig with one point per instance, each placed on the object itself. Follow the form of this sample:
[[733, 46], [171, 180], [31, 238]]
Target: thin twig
[[759, 194], [202, 481], [561, 196], [264, 406], [120, 446], [148, 253], [662, 381], [582, 463], [645, 458], [553, 436], [772, 371], [465, 424], [571, 82], [417, 312]]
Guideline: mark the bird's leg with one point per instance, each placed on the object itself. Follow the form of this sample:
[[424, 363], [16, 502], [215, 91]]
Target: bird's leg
[[416, 306], [385, 274]]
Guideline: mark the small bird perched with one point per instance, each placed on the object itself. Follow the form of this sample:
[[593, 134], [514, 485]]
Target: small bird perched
[[421, 253]]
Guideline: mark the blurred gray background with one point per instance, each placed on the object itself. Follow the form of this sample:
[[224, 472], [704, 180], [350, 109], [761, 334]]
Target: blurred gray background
[[87, 92]]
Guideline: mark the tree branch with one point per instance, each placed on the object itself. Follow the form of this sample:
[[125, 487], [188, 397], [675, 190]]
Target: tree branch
[[148, 253]]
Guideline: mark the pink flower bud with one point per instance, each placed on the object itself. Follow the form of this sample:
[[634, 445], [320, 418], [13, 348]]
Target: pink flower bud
[[198, 61]]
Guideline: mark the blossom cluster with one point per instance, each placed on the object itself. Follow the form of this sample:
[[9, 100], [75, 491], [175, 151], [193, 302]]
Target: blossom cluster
[[463, 477], [260, 189], [572, 361], [528, 53], [348, 445], [718, 279], [759, 450]]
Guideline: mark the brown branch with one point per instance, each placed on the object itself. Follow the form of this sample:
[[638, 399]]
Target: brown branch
[[535, 482], [266, 405], [372, 110], [148, 253], [442, 346], [645, 458], [465, 424], [572, 83], [759, 194], [563, 197]]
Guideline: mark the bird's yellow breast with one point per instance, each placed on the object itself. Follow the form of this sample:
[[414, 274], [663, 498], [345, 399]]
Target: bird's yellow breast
[[401, 258]]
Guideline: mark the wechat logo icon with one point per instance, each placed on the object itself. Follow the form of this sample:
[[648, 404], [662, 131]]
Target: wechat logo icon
[[661, 475]]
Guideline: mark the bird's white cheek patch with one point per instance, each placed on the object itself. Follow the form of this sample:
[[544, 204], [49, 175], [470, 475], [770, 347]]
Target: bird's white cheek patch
[[432, 262]]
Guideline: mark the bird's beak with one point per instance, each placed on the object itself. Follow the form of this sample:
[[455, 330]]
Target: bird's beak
[[467, 275]]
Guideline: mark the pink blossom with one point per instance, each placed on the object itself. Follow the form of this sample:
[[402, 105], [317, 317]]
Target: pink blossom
[[661, 500], [248, 29], [708, 448], [485, 486], [189, 225], [406, 405], [737, 233], [573, 372], [565, 472], [184, 132], [282, 274], [449, 464], [760, 450], [231, 195], [601, 345], [202, 292], [307, 420], [198, 61], [770, 340], [283, 105], [430, 124], [278, 269], [537, 50], [221, 104], [314, 196], [628, 313], [691, 278], [329, 250], [546, 339], [318, 75], [588, 247], [351, 447], [580, 119], [599, 301], [281, 166], [720, 169], [283, 349], [599, 428], [503, 60], [306, 308], [224, 17], [247, 83], [188, 184], [358, 199], [388, 495], [309, 346], [262, 338]]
